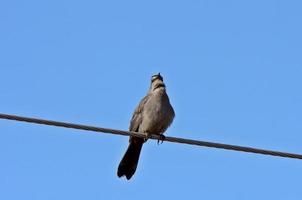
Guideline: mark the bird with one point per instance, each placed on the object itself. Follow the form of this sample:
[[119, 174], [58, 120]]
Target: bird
[[153, 115]]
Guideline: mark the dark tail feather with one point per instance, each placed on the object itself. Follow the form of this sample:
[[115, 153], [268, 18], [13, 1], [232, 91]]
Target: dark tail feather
[[129, 162]]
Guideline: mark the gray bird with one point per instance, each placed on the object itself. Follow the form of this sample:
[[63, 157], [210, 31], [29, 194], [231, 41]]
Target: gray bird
[[153, 115]]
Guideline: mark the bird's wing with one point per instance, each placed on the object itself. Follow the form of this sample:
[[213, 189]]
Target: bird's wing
[[137, 115]]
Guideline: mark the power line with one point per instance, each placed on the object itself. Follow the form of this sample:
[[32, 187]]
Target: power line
[[169, 139]]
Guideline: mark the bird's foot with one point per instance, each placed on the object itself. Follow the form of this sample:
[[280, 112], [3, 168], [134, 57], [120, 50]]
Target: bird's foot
[[147, 136], [161, 139]]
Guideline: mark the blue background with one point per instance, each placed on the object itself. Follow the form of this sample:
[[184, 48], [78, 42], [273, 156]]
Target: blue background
[[233, 73]]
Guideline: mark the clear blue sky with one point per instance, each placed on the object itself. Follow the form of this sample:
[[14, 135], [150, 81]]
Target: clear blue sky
[[232, 70]]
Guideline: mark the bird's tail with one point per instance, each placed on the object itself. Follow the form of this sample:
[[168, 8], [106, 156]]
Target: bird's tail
[[129, 162]]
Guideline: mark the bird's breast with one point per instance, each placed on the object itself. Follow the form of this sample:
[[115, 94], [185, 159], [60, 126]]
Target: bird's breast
[[157, 115]]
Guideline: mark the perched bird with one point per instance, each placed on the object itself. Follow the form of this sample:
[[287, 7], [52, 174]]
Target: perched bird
[[153, 115]]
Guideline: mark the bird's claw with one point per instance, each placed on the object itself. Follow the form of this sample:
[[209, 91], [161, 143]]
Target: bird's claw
[[147, 136], [161, 139]]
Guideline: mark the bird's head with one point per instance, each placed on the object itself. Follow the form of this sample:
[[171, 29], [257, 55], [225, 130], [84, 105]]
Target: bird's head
[[157, 82]]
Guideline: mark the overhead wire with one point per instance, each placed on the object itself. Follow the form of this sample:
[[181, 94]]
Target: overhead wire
[[156, 137]]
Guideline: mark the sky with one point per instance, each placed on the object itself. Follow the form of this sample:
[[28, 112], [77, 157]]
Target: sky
[[233, 73]]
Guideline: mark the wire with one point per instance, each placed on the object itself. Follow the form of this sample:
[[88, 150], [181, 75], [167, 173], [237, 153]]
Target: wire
[[141, 135]]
